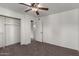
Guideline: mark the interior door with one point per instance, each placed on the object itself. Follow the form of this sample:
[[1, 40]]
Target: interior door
[[38, 31], [2, 40], [12, 30], [9, 34]]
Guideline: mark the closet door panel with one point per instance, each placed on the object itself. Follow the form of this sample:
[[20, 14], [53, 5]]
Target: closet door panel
[[9, 31], [12, 31], [2, 31], [17, 33], [9, 34]]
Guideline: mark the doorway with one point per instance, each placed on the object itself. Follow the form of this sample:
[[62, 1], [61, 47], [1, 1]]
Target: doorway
[[33, 29]]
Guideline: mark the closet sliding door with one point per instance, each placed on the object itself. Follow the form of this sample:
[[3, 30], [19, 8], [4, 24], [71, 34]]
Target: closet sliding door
[[9, 31], [2, 36], [12, 30]]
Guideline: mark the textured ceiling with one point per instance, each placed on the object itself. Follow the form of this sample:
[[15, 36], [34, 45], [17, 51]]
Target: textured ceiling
[[53, 8]]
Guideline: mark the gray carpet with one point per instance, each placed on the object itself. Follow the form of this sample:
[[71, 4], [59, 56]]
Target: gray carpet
[[37, 49]]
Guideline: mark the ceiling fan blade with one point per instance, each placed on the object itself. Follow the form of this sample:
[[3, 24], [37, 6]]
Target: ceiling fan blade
[[28, 10], [25, 4], [41, 8], [37, 12]]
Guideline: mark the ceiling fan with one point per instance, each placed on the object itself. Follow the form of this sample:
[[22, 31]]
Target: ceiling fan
[[34, 7]]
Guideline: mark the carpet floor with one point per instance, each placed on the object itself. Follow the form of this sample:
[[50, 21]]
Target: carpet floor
[[37, 49]]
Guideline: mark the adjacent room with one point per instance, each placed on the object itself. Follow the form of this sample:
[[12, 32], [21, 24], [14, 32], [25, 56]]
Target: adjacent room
[[39, 29]]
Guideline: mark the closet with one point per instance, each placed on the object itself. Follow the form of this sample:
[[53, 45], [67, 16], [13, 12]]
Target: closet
[[9, 31]]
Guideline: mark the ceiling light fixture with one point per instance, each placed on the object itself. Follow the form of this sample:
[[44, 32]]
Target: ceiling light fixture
[[34, 9]]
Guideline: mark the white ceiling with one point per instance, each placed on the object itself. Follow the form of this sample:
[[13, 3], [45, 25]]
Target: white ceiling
[[53, 8]]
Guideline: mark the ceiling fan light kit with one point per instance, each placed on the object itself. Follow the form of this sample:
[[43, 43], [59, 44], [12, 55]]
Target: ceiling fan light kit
[[34, 7]]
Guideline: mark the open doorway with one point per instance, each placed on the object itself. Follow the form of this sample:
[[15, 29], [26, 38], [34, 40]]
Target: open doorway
[[33, 28]]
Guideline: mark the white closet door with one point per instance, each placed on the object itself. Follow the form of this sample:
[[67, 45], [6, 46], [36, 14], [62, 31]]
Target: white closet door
[[12, 30], [9, 34], [2, 31], [17, 33]]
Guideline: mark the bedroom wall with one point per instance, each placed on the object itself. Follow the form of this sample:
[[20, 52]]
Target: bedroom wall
[[60, 29]]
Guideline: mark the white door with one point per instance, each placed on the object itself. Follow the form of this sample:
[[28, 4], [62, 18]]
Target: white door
[[9, 31], [12, 30], [38, 31], [9, 34], [2, 39]]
